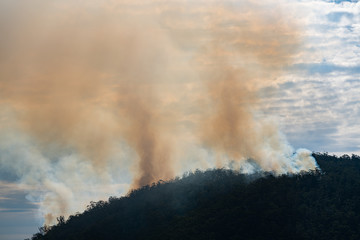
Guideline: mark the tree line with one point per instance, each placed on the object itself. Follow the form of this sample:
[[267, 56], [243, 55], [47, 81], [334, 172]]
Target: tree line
[[225, 204]]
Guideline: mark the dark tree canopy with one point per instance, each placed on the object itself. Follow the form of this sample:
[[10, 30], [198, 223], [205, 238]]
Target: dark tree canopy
[[223, 204]]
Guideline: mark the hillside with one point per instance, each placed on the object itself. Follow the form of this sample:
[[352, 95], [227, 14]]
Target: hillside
[[223, 204]]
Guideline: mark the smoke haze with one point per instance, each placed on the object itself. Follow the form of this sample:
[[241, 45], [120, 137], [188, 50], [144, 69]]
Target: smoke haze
[[99, 97]]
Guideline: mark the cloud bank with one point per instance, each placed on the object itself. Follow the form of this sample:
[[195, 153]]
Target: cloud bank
[[318, 98]]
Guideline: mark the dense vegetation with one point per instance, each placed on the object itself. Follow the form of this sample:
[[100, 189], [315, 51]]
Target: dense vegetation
[[222, 204]]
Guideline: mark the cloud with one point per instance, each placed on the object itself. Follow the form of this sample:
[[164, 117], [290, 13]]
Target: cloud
[[16, 209], [317, 101], [18, 225], [326, 68], [342, 1], [337, 16]]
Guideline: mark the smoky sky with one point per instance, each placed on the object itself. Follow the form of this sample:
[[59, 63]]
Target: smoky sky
[[93, 92]]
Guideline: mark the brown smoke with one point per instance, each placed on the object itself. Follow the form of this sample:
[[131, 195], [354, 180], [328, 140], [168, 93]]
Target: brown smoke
[[77, 79], [246, 51], [97, 89]]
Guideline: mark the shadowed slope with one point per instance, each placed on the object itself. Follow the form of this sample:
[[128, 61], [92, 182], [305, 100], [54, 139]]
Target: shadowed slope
[[222, 204]]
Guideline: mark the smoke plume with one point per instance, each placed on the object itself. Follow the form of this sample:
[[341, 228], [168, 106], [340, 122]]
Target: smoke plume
[[247, 49], [99, 97]]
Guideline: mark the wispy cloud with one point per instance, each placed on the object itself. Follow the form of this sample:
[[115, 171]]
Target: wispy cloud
[[326, 68], [318, 101], [2, 198], [19, 210]]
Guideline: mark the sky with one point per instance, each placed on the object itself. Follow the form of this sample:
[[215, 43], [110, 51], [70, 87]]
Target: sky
[[300, 71]]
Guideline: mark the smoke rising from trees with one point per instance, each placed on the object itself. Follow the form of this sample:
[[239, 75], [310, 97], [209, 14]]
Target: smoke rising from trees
[[98, 95]]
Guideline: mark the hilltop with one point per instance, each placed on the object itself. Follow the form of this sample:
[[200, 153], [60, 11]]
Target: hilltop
[[224, 204]]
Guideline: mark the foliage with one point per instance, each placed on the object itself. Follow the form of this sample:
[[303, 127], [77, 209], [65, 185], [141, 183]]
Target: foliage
[[223, 204]]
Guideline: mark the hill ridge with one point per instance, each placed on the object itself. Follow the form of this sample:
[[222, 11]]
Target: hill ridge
[[225, 204]]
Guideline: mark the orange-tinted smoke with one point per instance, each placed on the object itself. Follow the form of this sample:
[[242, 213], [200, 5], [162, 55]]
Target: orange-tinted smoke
[[82, 82], [246, 50], [164, 77]]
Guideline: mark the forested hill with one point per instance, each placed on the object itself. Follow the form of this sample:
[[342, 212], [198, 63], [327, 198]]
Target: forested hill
[[222, 204]]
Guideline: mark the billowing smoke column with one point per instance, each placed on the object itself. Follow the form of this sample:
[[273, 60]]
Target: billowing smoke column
[[99, 97], [247, 49]]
